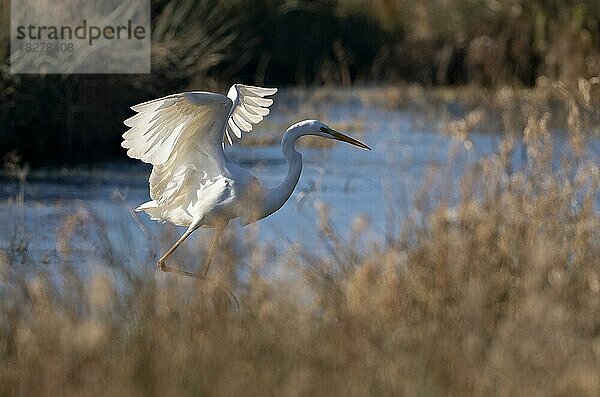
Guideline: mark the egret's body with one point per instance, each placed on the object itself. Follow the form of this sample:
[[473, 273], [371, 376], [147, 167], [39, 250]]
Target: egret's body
[[193, 183]]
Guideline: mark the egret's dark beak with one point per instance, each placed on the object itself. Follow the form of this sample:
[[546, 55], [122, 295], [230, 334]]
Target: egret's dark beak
[[345, 138]]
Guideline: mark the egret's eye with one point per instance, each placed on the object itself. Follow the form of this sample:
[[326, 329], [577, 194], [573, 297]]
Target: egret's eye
[[324, 129]]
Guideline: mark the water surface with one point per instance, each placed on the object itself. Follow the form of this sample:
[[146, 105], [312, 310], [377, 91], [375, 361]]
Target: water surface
[[75, 214]]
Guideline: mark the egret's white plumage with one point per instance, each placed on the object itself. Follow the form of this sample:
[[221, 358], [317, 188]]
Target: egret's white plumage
[[193, 183]]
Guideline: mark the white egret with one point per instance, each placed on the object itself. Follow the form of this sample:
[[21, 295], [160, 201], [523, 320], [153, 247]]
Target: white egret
[[193, 183]]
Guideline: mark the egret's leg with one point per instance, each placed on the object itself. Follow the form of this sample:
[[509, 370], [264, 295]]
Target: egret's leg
[[218, 232], [162, 261], [161, 264]]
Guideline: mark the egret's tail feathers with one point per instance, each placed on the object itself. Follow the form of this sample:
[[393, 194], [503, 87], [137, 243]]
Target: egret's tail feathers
[[149, 205], [151, 208]]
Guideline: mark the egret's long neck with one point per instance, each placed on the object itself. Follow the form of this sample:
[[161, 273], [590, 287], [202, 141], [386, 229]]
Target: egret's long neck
[[278, 195]]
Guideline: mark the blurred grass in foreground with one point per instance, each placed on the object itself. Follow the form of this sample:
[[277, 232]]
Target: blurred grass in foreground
[[498, 295]]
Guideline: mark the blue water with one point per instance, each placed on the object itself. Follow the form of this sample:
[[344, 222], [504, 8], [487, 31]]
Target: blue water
[[93, 206]]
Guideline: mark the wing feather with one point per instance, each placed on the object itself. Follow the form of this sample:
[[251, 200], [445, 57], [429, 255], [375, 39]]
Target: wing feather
[[163, 123], [240, 122], [255, 91], [249, 108], [234, 128], [257, 110], [257, 101], [250, 117]]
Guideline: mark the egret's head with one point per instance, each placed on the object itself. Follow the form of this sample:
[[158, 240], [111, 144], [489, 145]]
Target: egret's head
[[315, 127]]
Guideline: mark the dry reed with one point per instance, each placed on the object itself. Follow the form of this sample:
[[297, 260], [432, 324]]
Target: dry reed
[[498, 295]]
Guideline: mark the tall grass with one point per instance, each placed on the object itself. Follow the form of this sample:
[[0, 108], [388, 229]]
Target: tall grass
[[496, 294]]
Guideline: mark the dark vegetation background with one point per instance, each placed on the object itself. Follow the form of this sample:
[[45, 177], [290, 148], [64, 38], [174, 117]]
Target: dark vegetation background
[[57, 120]]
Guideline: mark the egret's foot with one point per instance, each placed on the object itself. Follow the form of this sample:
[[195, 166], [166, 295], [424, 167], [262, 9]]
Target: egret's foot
[[162, 265]]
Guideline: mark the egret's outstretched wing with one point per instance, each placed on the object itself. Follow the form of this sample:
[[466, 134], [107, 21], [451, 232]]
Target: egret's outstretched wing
[[249, 108], [164, 125], [182, 136]]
